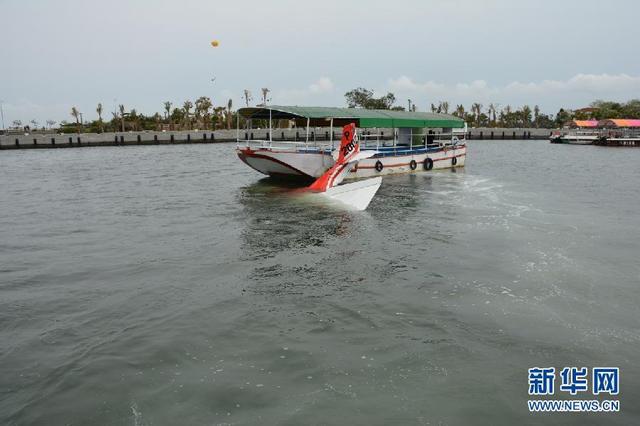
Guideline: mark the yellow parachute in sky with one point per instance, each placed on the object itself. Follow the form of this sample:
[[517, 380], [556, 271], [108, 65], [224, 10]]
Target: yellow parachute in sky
[[215, 43]]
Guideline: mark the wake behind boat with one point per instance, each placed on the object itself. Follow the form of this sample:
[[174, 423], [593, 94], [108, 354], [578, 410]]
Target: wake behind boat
[[402, 142]]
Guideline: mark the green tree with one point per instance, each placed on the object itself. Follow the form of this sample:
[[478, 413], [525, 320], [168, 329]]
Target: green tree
[[177, 115], [476, 108], [562, 117], [187, 107], [203, 110], [99, 111], [167, 112], [363, 98], [76, 115], [525, 113], [134, 119], [491, 113], [631, 109], [265, 93], [121, 108], [247, 97], [229, 115]]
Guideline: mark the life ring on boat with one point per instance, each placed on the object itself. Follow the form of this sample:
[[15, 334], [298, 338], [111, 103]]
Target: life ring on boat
[[428, 163], [379, 166], [413, 165], [454, 161]]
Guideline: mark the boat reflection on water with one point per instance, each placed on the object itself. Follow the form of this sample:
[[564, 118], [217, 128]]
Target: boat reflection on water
[[280, 216]]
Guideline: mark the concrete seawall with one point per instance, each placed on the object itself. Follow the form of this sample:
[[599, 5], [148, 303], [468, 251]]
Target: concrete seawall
[[505, 133], [36, 141]]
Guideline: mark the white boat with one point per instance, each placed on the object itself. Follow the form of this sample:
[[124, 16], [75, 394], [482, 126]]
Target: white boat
[[405, 142], [577, 132], [576, 138]]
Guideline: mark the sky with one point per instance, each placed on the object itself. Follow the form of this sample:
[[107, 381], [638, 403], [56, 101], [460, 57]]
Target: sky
[[141, 53]]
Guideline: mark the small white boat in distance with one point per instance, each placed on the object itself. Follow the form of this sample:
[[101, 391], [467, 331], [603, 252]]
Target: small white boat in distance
[[577, 132]]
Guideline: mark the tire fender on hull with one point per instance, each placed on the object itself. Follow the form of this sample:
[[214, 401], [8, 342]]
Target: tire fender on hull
[[428, 163]]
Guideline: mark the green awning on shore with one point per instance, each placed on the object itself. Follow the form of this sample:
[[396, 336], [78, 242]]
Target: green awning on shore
[[364, 118]]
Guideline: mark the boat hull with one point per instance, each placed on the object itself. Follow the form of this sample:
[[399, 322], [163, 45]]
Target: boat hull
[[394, 164], [574, 140], [286, 164], [311, 164]]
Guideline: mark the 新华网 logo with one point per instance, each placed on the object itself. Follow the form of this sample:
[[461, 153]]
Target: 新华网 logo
[[574, 381]]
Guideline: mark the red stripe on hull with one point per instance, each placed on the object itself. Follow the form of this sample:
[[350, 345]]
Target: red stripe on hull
[[406, 164]]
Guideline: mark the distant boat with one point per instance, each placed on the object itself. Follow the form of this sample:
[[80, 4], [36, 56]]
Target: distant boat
[[620, 132], [414, 141], [580, 132], [576, 138]]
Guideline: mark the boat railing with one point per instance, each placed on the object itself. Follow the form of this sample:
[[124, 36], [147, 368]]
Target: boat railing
[[283, 144], [379, 141], [426, 142]]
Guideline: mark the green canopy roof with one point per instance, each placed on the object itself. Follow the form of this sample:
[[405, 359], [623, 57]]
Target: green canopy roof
[[362, 117]]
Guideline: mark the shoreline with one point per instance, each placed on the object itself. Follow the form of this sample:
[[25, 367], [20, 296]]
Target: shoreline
[[51, 140]]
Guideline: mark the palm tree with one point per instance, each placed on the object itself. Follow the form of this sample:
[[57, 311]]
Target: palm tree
[[506, 116], [76, 114], [50, 123], [157, 118], [133, 118], [491, 111], [203, 107], [265, 92], [445, 107], [526, 116], [247, 97], [35, 124], [121, 108], [229, 116], [459, 111], [167, 109], [476, 108], [434, 108], [536, 115], [99, 111], [218, 113], [187, 107]]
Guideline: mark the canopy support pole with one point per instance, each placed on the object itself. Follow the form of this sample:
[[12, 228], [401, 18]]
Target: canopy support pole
[[306, 142], [238, 127], [270, 129], [411, 140], [331, 133]]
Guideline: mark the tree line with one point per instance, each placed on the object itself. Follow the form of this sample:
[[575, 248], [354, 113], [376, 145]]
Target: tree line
[[202, 114], [199, 114], [493, 115]]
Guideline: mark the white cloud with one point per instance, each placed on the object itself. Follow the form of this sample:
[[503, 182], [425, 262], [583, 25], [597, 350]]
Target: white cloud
[[323, 85], [574, 92], [320, 91]]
